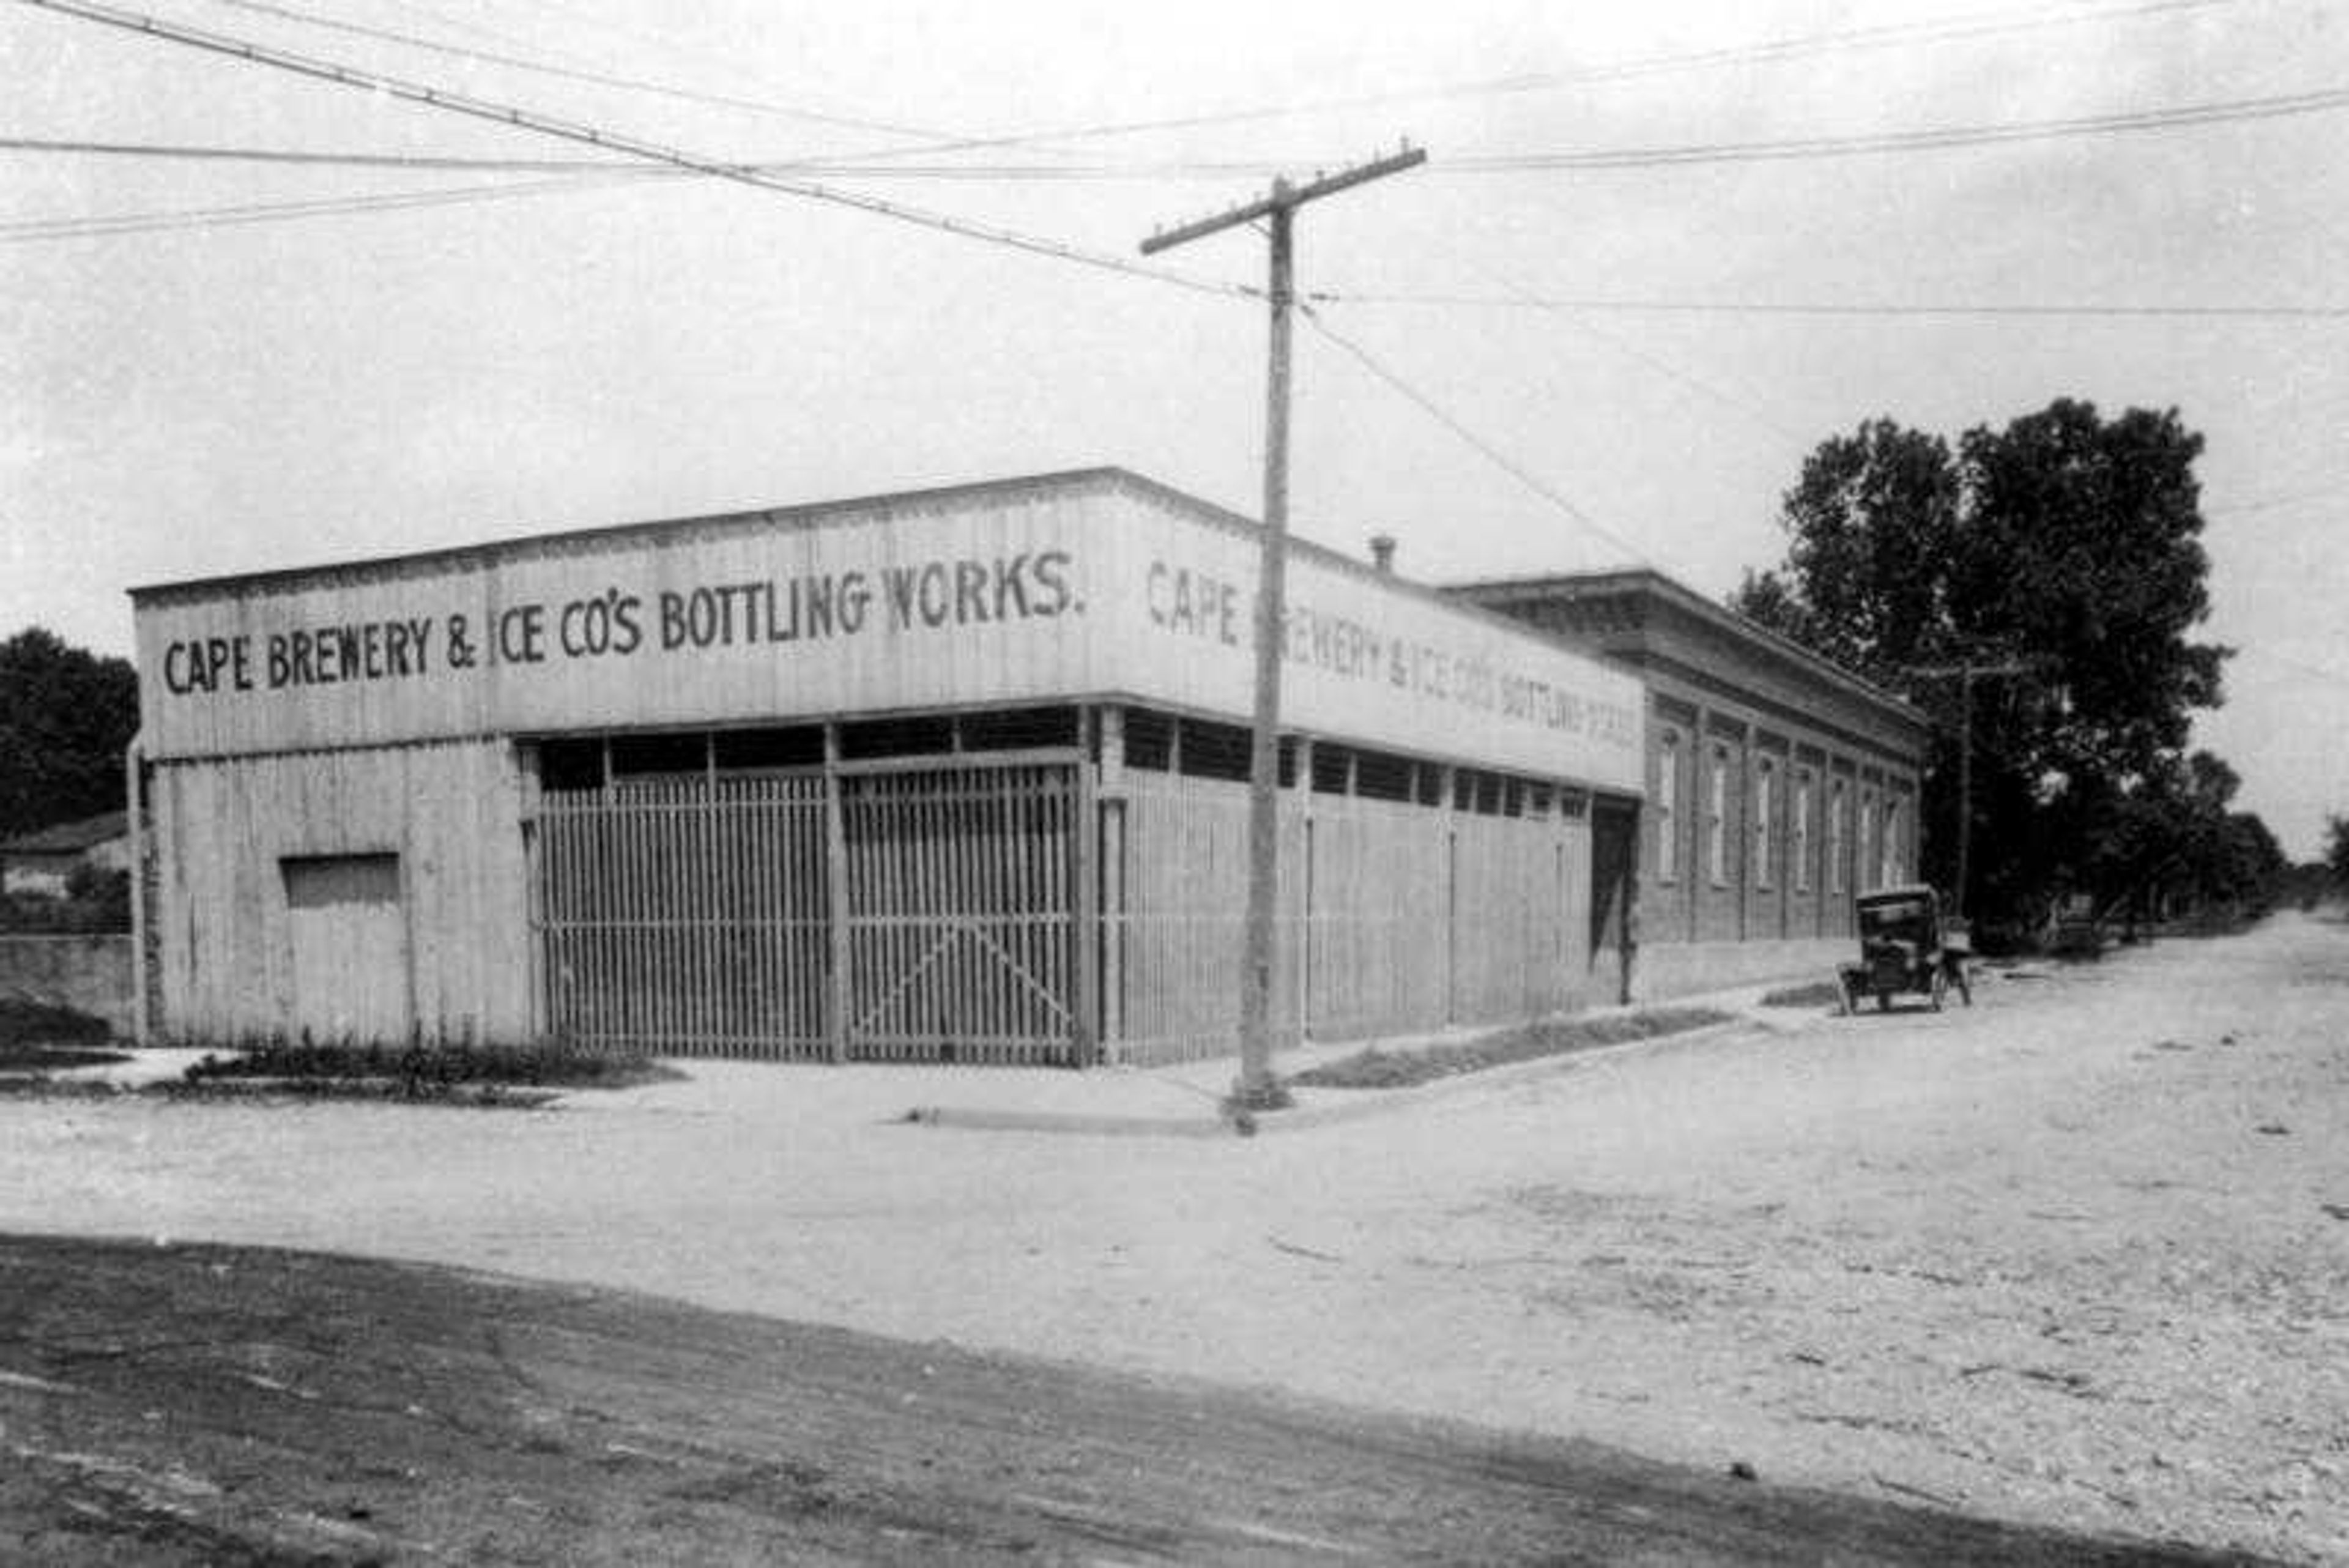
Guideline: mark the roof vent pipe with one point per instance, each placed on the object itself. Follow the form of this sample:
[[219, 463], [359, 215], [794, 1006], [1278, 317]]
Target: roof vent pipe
[[1383, 553]]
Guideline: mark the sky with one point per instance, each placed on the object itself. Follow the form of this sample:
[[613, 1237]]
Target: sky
[[215, 384]]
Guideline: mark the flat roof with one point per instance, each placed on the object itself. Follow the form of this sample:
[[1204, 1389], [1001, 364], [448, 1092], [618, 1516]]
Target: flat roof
[[1649, 581]]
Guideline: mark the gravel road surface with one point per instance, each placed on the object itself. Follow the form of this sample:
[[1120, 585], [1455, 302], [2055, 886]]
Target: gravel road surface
[[2073, 1257]]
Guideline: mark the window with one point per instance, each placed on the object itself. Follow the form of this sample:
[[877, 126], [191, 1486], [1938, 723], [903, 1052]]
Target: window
[[1800, 827], [1668, 803], [1716, 819], [1891, 871], [1868, 865], [1838, 828], [1765, 812]]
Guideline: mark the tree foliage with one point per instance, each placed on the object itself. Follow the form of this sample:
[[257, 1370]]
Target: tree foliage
[[2336, 850], [66, 716], [2067, 546]]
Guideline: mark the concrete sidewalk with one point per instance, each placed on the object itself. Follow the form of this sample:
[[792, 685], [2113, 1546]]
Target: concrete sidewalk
[[1180, 1100], [1185, 1100]]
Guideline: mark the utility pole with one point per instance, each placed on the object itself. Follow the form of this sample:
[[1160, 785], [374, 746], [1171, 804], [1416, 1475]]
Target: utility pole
[[1964, 673], [1256, 1089]]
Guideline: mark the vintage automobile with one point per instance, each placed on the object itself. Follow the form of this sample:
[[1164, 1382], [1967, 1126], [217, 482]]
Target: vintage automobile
[[1907, 944]]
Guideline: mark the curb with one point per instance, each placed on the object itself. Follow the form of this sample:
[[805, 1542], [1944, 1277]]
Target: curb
[[1375, 1103]]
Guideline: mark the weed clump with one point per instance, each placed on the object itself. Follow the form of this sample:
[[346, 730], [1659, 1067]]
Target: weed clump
[[429, 1070], [1400, 1069]]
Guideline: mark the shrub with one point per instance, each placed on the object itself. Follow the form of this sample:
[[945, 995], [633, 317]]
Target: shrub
[[425, 1069]]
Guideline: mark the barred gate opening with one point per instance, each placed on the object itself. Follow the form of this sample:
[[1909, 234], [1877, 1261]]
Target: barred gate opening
[[961, 914], [688, 916], [882, 911]]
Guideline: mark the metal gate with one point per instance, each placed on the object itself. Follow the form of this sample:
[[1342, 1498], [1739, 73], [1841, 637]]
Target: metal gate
[[882, 912]]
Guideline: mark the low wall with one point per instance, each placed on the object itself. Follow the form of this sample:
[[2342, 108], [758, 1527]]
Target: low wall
[[1667, 969], [90, 973]]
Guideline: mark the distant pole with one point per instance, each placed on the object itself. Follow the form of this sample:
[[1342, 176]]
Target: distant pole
[[1965, 674], [1965, 777], [1256, 1088]]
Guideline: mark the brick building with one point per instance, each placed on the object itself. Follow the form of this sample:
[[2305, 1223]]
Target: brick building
[[1778, 784]]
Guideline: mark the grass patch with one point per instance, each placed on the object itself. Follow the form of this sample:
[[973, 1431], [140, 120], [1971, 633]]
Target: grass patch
[[1377, 1069], [27, 1023], [1818, 993], [479, 1094], [434, 1072]]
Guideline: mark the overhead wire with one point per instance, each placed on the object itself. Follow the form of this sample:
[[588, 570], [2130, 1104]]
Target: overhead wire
[[1926, 30], [241, 215], [2320, 672], [1635, 305], [2273, 503], [1962, 25], [922, 138], [1931, 138], [596, 79], [1492, 454], [594, 136], [1742, 407]]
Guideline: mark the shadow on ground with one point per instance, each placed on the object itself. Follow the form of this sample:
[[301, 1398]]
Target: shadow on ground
[[203, 1404]]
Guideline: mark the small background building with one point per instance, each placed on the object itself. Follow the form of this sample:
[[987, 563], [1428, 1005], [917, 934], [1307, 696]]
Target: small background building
[[1778, 784], [41, 864]]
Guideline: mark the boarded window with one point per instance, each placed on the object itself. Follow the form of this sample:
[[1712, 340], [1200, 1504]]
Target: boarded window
[[349, 934], [319, 881]]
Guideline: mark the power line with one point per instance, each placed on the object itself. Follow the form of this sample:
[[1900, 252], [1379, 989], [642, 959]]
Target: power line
[[2273, 502], [2221, 112], [1662, 306], [38, 230], [596, 79], [1771, 51], [1737, 405], [1490, 452], [2323, 100], [593, 136], [2317, 670], [205, 153], [926, 138]]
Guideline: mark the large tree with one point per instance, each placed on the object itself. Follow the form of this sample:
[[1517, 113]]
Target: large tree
[[2063, 550], [66, 716]]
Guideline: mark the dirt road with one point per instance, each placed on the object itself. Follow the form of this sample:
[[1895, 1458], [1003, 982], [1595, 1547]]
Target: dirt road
[[213, 1405], [2065, 1258]]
